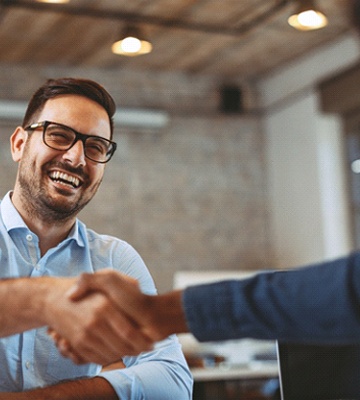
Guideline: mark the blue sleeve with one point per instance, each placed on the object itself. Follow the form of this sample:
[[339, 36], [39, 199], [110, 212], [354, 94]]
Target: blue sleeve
[[161, 374], [319, 303]]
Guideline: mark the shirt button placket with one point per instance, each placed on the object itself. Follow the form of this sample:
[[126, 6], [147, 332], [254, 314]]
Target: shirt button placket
[[27, 357], [33, 251]]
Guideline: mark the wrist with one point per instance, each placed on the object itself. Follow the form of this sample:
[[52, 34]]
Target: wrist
[[167, 314], [27, 302], [52, 297]]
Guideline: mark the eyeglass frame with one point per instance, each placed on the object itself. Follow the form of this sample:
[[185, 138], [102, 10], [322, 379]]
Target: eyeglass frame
[[78, 136]]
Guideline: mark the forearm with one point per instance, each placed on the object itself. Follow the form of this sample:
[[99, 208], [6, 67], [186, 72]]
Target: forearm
[[22, 303], [315, 304], [166, 315], [88, 389], [88, 325]]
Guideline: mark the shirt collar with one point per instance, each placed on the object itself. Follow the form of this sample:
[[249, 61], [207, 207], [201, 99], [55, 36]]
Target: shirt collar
[[13, 220]]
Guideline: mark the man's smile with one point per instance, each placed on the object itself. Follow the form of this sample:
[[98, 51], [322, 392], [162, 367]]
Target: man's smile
[[64, 178]]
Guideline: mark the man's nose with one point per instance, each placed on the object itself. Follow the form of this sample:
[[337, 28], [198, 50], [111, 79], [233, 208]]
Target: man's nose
[[76, 154]]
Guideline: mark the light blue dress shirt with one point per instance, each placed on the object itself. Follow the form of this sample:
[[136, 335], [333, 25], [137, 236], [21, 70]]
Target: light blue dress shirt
[[31, 360]]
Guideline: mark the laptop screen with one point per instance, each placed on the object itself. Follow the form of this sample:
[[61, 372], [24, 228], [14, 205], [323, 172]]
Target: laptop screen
[[319, 372]]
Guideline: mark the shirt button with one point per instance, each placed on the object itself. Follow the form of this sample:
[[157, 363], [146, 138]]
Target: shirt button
[[37, 267], [29, 238], [27, 364]]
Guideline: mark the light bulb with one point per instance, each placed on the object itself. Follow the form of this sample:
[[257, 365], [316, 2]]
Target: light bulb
[[53, 1], [310, 18], [131, 45]]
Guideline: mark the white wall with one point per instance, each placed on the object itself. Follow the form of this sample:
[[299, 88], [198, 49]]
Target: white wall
[[308, 203]]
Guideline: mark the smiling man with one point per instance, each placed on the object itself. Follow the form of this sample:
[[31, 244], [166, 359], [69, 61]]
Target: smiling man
[[61, 149]]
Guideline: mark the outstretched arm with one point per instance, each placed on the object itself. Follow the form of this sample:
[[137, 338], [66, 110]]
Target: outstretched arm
[[88, 389], [319, 303], [89, 326]]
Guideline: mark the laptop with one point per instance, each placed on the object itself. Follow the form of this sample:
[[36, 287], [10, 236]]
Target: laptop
[[314, 372]]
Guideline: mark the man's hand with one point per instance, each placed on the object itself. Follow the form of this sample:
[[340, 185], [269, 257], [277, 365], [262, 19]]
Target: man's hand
[[92, 329], [138, 318]]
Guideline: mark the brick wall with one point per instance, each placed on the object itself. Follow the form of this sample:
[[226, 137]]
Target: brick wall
[[190, 196]]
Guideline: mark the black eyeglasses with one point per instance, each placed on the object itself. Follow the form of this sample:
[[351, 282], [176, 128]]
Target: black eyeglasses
[[62, 137]]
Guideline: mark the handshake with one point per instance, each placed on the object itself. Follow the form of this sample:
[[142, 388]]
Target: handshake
[[104, 316]]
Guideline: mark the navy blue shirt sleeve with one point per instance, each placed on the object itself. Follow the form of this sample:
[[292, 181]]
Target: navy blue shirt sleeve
[[318, 303]]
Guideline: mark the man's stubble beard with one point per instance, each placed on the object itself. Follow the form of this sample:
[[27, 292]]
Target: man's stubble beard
[[39, 205]]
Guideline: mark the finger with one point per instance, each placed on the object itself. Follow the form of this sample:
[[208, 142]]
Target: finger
[[88, 283], [106, 281], [80, 289], [130, 334], [118, 337], [53, 334], [91, 349], [104, 349], [66, 351]]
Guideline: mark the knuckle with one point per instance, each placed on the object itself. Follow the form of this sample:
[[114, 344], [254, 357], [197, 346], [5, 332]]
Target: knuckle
[[85, 278], [128, 332]]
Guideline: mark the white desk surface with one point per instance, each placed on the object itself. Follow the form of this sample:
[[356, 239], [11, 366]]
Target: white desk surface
[[252, 371]]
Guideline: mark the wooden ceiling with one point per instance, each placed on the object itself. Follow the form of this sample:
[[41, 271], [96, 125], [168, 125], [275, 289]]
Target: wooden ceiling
[[228, 38]]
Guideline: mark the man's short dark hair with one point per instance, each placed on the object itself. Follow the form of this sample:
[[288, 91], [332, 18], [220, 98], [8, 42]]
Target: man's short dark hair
[[63, 86]]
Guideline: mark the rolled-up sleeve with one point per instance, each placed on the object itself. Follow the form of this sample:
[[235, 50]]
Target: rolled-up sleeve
[[161, 374]]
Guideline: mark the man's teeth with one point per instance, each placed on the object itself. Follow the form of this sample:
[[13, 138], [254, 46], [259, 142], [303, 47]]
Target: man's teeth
[[61, 176]]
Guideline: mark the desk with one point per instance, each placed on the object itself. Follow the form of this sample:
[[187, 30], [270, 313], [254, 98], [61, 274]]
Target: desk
[[231, 370], [232, 383], [253, 370]]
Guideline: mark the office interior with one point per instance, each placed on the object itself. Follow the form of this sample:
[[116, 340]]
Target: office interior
[[243, 159]]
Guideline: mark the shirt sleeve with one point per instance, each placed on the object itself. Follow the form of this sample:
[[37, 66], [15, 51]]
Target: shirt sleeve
[[161, 374], [318, 303]]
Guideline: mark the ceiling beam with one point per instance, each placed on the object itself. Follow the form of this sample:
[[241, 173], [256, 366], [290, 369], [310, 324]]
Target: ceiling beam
[[129, 17]]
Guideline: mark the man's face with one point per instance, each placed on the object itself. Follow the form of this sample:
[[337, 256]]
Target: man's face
[[57, 184]]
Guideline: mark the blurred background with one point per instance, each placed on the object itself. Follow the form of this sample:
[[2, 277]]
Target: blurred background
[[238, 134], [238, 131]]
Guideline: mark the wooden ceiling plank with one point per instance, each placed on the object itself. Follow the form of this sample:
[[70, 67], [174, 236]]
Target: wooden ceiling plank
[[50, 38]]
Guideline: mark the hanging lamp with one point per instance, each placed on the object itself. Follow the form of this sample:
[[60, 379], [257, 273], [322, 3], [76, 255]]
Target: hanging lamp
[[131, 43], [307, 16]]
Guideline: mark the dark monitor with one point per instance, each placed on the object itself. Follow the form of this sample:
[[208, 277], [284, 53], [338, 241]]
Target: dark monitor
[[313, 372]]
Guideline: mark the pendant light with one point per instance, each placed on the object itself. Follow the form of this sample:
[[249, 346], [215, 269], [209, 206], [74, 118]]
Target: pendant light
[[53, 1], [132, 43], [307, 17]]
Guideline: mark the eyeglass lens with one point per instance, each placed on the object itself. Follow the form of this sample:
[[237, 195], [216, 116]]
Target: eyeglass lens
[[62, 138]]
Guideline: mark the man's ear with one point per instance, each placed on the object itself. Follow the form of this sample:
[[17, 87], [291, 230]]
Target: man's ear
[[17, 143]]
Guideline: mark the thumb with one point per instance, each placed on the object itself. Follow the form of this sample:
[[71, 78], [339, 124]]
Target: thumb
[[81, 288]]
